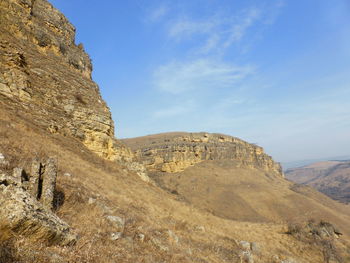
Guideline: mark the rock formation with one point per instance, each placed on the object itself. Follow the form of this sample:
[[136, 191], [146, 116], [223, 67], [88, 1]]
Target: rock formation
[[175, 152], [26, 201], [44, 73]]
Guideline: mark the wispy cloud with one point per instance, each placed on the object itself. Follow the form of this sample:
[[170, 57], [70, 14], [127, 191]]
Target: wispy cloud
[[158, 13], [185, 27], [220, 31], [178, 77], [238, 30]]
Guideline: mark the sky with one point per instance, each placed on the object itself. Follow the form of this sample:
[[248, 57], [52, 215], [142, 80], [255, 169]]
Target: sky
[[271, 72]]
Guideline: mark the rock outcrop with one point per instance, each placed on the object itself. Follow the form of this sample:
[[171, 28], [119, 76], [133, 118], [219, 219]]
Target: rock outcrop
[[44, 74], [175, 152], [26, 201]]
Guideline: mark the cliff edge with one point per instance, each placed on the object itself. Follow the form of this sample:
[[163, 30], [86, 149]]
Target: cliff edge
[[46, 78], [174, 152]]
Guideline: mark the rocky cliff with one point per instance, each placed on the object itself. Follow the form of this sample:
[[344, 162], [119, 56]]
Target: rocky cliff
[[174, 152], [46, 78]]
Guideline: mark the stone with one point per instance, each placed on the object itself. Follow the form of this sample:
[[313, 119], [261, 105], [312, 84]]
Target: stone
[[199, 228], [35, 176], [3, 161], [117, 221], [255, 248], [116, 235], [247, 257], [244, 245], [49, 183], [17, 175], [140, 237], [67, 175], [91, 201], [140, 170], [24, 214]]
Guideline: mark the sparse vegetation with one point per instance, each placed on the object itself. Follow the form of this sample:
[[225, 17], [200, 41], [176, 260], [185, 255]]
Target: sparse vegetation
[[322, 234], [43, 39]]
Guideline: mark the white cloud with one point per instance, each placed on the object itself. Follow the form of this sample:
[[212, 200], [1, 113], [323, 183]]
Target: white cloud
[[158, 13], [220, 31], [238, 30], [179, 77], [212, 43], [185, 27]]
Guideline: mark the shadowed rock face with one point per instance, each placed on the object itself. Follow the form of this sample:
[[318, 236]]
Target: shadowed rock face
[[177, 151], [46, 77]]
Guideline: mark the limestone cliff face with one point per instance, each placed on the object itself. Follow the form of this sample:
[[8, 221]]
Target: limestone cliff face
[[175, 152], [45, 76]]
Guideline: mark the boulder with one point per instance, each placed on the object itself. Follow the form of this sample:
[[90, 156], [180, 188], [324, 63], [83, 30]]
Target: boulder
[[26, 211]]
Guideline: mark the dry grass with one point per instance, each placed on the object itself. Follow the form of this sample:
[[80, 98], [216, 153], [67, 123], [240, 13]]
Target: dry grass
[[149, 213]]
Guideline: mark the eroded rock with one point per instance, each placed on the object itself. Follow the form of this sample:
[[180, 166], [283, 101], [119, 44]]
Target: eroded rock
[[175, 152], [116, 235], [49, 183], [44, 73], [26, 201], [3, 161], [117, 221]]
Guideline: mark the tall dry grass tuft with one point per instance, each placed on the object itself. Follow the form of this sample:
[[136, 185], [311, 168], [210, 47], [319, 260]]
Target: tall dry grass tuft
[[7, 251]]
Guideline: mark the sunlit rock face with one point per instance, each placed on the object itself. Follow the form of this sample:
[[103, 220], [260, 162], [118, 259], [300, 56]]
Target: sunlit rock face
[[177, 151], [45, 76]]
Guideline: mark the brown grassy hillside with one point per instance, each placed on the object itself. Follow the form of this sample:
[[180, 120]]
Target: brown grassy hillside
[[250, 194], [212, 211], [330, 177], [158, 226]]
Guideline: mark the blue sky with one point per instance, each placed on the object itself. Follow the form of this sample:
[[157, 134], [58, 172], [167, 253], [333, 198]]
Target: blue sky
[[273, 72]]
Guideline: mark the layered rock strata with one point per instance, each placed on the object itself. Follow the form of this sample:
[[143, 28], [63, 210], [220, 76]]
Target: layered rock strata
[[26, 201], [177, 151], [44, 74]]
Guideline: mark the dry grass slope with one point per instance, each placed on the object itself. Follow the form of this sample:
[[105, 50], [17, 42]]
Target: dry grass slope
[[157, 228]]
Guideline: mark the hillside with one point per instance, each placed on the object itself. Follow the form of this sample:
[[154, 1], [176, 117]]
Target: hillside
[[230, 178], [71, 192], [329, 177]]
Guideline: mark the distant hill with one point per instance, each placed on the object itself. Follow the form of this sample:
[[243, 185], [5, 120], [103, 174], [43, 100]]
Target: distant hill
[[329, 177], [300, 163]]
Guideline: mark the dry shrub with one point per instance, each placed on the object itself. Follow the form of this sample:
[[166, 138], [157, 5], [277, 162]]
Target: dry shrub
[[321, 234], [295, 229]]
